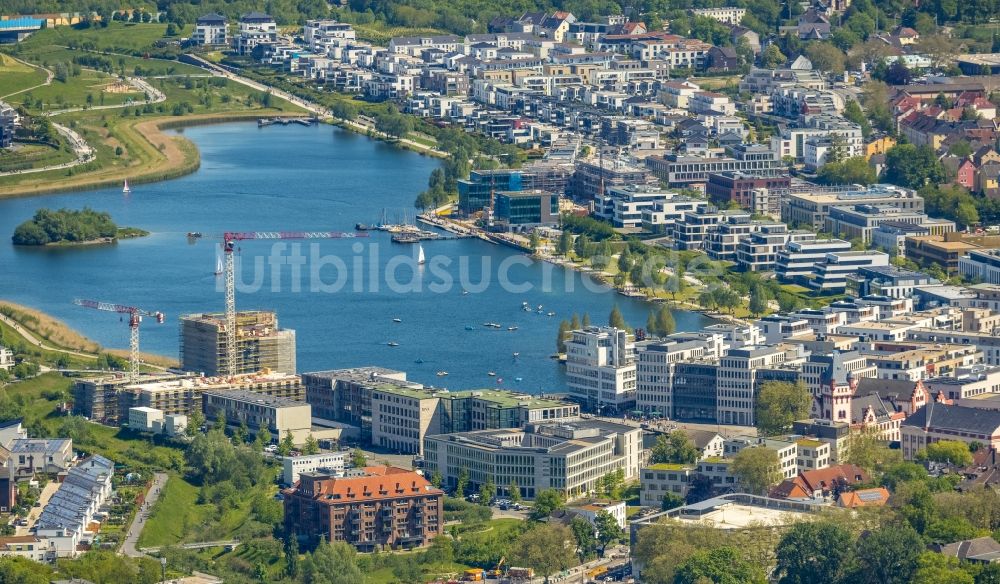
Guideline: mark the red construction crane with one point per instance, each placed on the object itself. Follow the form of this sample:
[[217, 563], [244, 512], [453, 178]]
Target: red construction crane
[[134, 318], [229, 241]]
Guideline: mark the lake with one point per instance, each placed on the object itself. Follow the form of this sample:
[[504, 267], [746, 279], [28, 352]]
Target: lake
[[340, 295]]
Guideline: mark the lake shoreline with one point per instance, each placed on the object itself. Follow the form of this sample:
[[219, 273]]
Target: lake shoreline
[[180, 157]]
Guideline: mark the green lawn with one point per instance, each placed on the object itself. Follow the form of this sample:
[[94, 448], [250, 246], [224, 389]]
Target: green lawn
[[16, 76], [117, 37], [45, 357], [25, 156], [175, 511], [74, 91]]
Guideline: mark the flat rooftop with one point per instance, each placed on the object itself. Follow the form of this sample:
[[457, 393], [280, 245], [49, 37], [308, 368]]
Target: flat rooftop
[[199, 382], [736, 511], [257, 398]]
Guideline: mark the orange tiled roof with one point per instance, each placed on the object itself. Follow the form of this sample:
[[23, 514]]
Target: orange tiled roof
[[379, 482]]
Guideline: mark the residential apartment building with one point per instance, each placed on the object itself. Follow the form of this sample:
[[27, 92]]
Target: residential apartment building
[[725, 15], [860, 221], [734, 186], [981, 264], [254, 29], [800, 258], [676, 379], [380, 507], [831, 273], [210, 30], [593, 176], [600, 369], [624, 206], [567, 456]]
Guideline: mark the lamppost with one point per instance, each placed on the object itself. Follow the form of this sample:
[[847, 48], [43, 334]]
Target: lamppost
[[163, 568]]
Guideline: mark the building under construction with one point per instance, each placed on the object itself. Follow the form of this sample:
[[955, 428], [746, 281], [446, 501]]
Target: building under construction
[[260, 343], [108, 400]]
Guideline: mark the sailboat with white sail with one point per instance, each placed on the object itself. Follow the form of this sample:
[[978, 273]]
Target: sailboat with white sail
[[421, 260], [218, 263], [125, 188]]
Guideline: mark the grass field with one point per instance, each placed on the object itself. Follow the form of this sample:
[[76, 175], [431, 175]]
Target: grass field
[[117, 37], [25, 156], [51, 54], [16, 77], [74, 91]]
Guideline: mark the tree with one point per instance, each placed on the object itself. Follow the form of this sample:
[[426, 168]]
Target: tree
[[788, 302], [344, 110], [854, 113], [949, 452], [263, 439], [487, 491], [772, 58], [868, 450], [826, 57], [608, 530], [358, 459], [514, 492], [546, 548], [561, 336], [581, 247], [287, 445], [756, 469], [171, 29], [887, 555], [723, 565], [674, 448], [195, 421], [332, 563], [534, 241], [671, 501], [779, 404], [651, 324], [311, 446], [898, 73], [801, 561], [461, 482], [546, 501], [565, 243], [665, 324], [913, 166], [615, 319], [437, 479], [854, 170], [583, 531], [758, 300], [292, 555], [934, 568]]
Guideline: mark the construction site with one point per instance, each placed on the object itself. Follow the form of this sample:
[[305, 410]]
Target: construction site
[[260, 343]]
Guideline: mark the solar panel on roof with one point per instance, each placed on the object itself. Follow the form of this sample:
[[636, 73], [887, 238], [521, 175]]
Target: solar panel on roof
[[874, 496]]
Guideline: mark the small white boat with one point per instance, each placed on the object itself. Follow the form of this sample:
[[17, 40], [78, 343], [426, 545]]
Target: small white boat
[[421, 260], [442, 373], [397, 320], [492, 374], [527, 309], [518, 379], [539, 307], [525, 303], [552, 314], [125, 188], [516, 354], [540, 311], [465, 292], [393, 344], [512, 328]]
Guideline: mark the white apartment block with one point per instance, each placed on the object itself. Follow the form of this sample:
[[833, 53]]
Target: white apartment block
[[726, 14], [6, 359], [624, 206], [293, 466], [255, 28], [317, 33], [831, 274], [210, 29], [800, 258], [710, 103], [787, 451], [600, 368]]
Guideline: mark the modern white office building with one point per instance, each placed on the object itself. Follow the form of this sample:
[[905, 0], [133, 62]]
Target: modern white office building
[[600, 369], [568, 456], [293, 466], [210, 30]]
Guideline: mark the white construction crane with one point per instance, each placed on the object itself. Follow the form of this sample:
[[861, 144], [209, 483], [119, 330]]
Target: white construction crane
[[229, 241], [134, 318]]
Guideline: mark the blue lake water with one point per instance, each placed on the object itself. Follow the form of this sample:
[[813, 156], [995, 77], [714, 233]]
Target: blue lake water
[[342, 300]]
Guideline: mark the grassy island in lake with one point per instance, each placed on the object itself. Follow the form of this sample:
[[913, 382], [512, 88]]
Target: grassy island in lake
[[71, 227]]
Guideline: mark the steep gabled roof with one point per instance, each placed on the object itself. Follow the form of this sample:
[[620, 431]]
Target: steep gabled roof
[[943, 416]]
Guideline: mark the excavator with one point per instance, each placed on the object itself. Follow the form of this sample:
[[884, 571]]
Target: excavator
[[498, 571]]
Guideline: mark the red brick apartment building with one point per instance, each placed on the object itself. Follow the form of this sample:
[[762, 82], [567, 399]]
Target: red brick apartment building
[[372, 508]]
